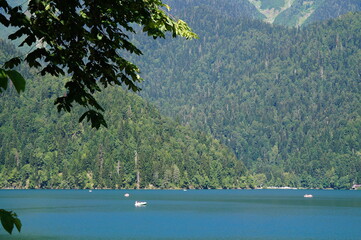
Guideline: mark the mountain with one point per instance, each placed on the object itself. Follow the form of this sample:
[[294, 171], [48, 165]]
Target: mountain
[[40, 148], [287, 101], [270, 9], [303, 12]]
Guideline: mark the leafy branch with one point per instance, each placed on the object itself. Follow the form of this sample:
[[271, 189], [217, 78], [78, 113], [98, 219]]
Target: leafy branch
[[82, 39], [9, 219]]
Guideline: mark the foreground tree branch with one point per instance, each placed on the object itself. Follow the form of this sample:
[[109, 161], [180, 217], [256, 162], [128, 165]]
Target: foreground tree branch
[[84, 39]]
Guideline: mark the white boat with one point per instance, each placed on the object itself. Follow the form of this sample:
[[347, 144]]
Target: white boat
[[126, 195], [138, 203], [308, 195]]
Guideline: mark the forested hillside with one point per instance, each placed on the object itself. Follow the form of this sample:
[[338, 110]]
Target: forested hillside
[[287, 101], [234, 8], [40, 148]]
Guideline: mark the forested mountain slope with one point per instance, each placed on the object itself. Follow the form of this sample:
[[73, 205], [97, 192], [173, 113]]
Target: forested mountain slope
[[234, 8], [287, 101], [40, 148], [304, 12]]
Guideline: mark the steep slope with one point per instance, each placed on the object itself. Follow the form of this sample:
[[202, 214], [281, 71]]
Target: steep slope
[[287, 101], [298, 13], [40, 148], [303, 12], [271, 8], [333, 8], [293, 13]]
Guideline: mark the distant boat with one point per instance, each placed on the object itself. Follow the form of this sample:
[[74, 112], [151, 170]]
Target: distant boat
[[308, 195], [90, 190], [139, 204], [126, 195]]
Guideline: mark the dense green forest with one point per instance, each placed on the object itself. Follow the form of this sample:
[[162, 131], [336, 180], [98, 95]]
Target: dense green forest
[[287, 101], [40, 148]]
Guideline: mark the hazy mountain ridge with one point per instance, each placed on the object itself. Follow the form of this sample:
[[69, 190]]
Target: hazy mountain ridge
[[302, 12], [271, 9]]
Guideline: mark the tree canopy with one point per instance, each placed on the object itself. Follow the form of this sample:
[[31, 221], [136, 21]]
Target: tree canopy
[[85, 39]]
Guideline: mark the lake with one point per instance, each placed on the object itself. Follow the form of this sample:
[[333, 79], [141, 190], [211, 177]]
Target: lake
[[178, 214]]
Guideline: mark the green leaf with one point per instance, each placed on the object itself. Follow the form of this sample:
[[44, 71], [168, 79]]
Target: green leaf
[[8, 220], [18, 34], [18, 224], [4, 20], [7, 223], [12, 62], [82, 117], [166, 6], [96, 119], [83, 14], [18, 80], [3, 80], [29, 41]]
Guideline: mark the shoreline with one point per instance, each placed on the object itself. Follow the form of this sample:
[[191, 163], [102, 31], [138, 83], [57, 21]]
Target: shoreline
[[180, 189]]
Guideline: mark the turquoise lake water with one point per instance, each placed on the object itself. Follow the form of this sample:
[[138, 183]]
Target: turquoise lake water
[[177, 214]]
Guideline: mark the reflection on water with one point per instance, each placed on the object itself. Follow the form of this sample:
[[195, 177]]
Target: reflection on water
[[192, 214]]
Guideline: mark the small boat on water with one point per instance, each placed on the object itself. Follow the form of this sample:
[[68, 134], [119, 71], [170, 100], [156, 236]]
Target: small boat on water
[[308, 195], [138, 203], [126, 195]]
